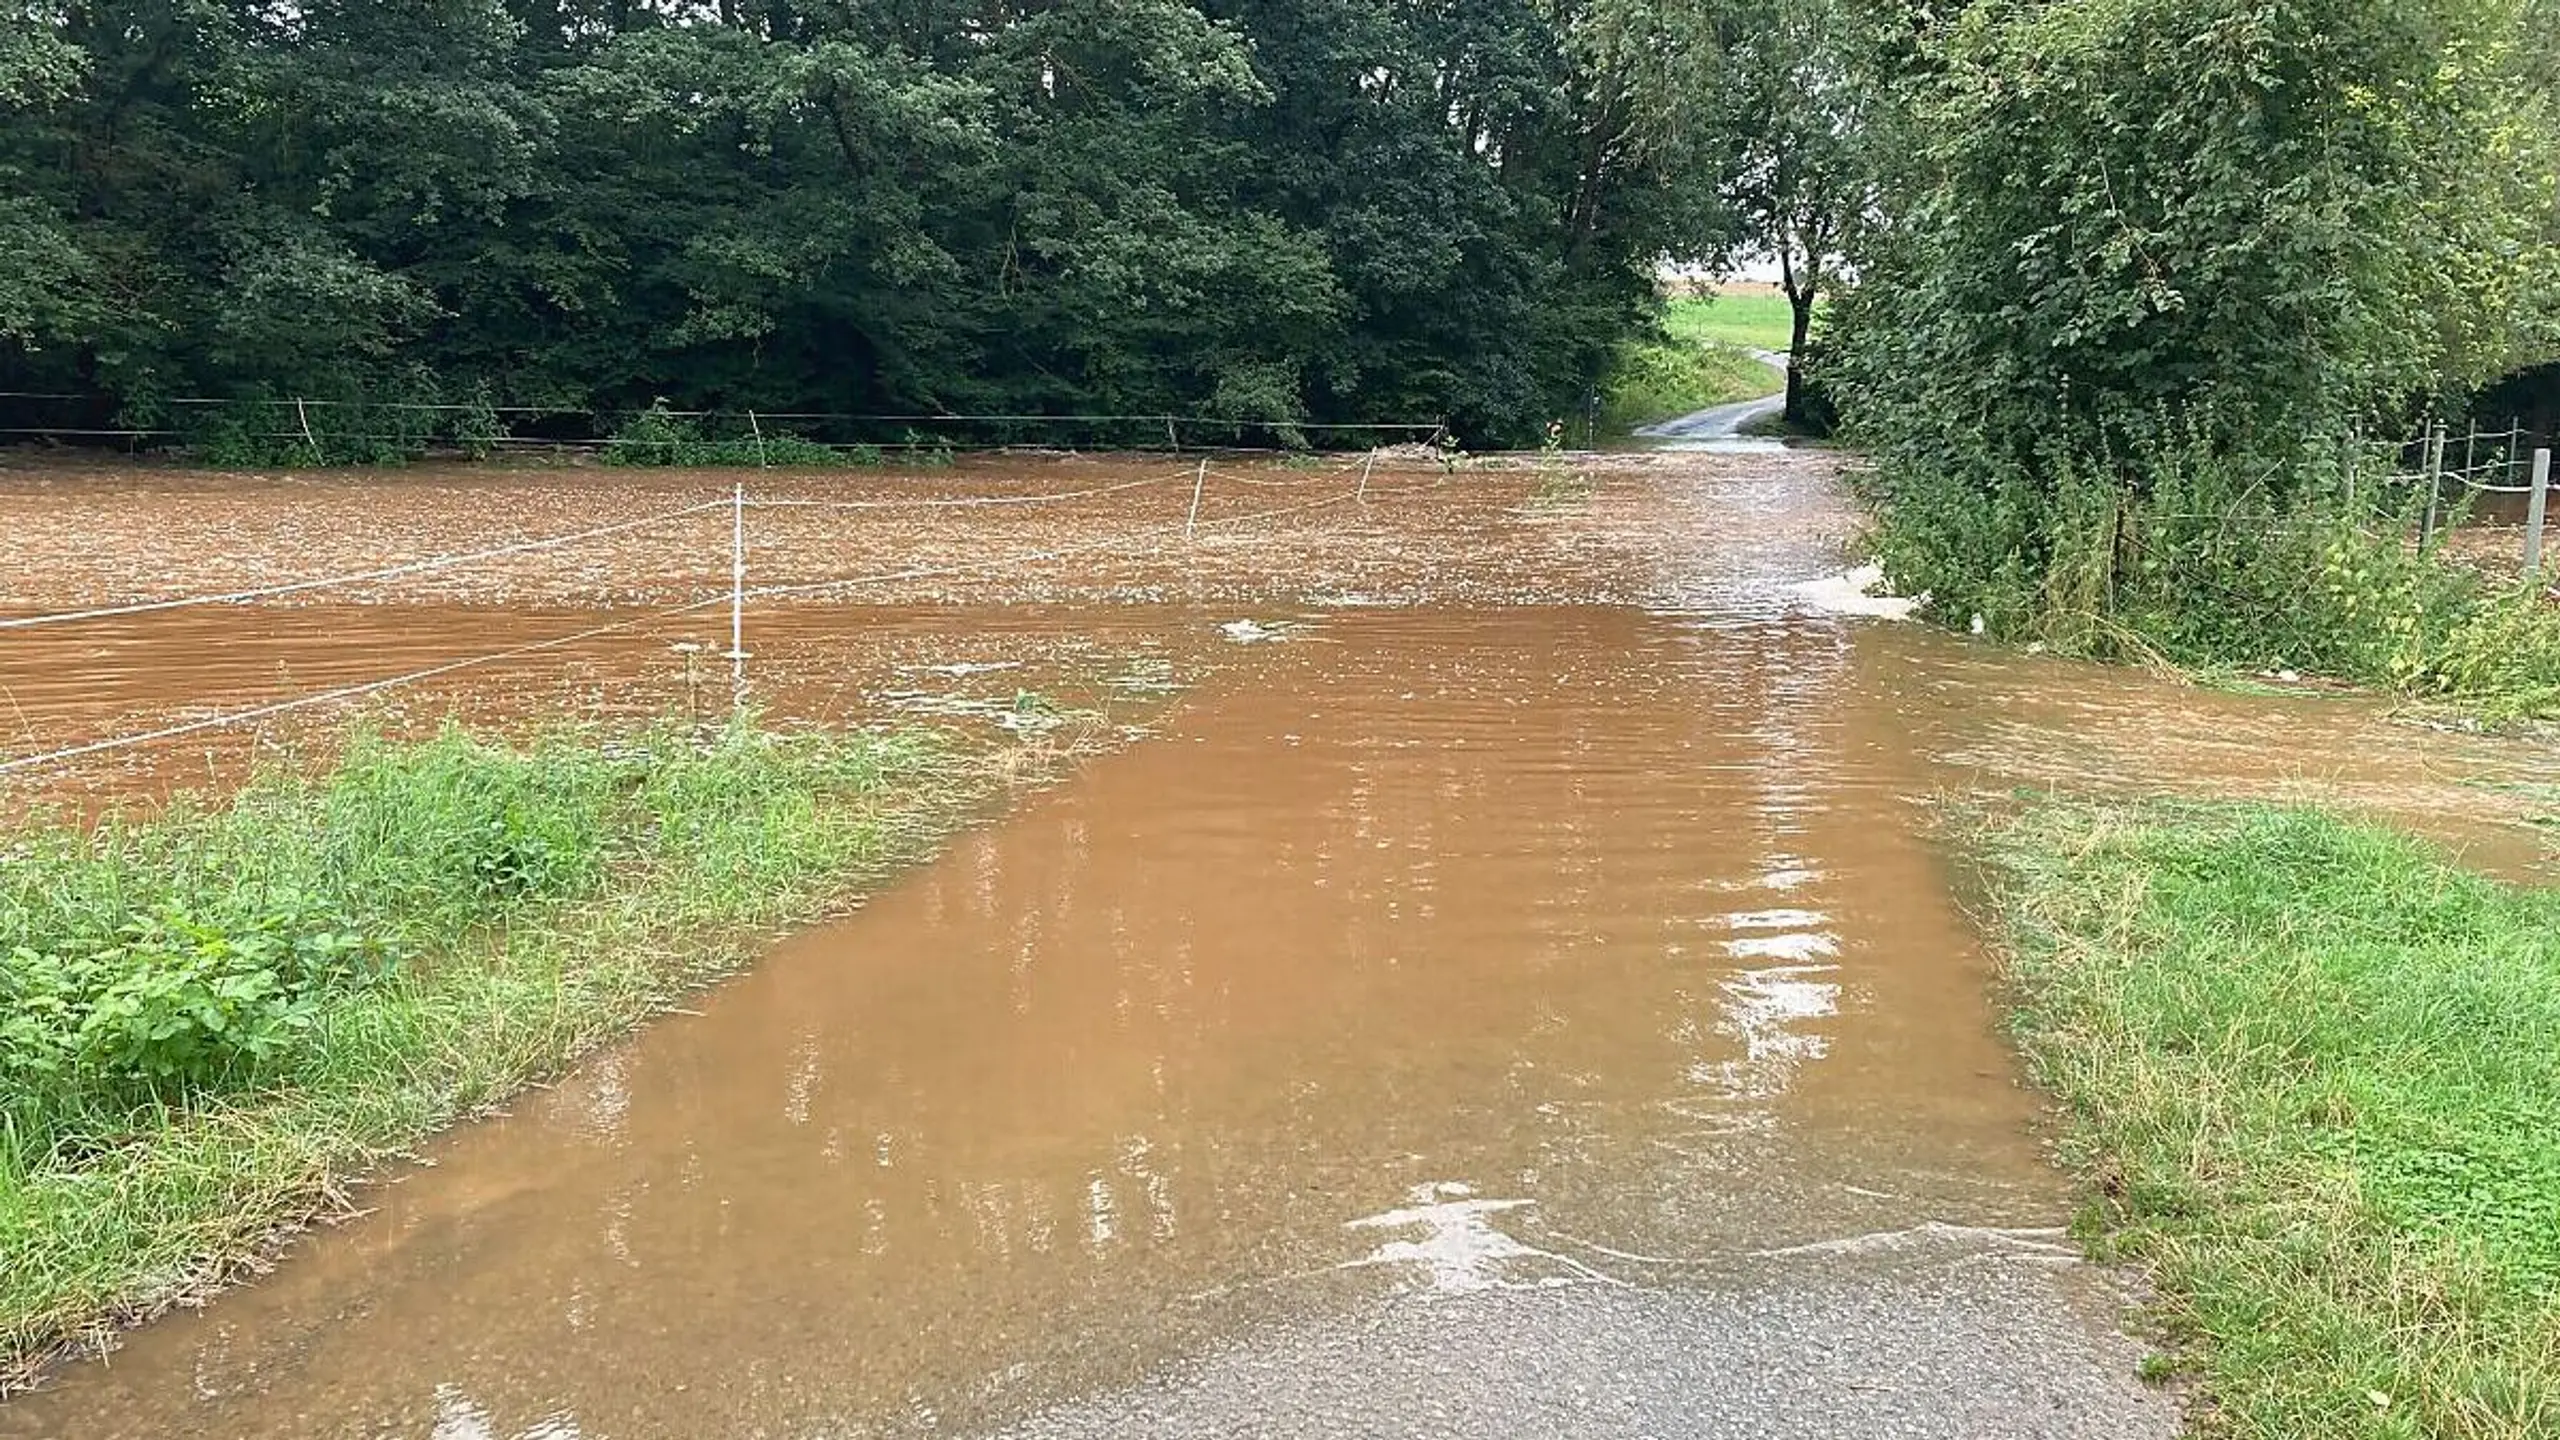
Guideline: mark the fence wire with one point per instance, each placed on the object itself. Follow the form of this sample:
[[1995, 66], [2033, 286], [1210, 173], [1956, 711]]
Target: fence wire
[[736, 597], [359, 577], [371, 431]]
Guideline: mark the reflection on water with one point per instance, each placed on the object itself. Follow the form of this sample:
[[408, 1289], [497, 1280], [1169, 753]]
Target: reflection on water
[[1425, 942], [1442, 931]]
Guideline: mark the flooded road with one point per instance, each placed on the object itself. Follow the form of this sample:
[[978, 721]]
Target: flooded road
[[1445, 952], [1459, 1018]]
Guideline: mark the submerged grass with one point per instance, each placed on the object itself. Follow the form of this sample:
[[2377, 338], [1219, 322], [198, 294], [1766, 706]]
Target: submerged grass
[[2312, 1072], [215, 1018]]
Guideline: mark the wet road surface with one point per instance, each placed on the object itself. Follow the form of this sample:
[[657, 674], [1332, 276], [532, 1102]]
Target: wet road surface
[[1719, 427], [1533, 983]]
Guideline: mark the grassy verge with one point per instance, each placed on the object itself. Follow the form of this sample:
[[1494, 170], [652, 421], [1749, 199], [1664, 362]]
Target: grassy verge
[[212, 1020], [1752, 321], [1662, 379], [2311, 1071]]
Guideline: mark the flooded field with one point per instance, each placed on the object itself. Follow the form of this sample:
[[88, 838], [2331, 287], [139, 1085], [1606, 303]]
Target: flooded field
[[1515, 987]]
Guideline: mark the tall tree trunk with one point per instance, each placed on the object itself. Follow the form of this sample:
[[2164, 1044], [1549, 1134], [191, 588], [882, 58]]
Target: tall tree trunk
[[1801, 302]]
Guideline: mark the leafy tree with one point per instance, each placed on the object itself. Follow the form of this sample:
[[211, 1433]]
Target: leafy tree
[[2141, 267], [1796, 181]]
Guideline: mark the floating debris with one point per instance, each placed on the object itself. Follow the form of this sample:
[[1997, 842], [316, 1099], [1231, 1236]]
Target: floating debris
[[1023, 712], [963, 669], [1144, 677]]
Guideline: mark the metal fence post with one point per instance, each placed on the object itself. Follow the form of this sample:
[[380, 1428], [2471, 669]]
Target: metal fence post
[[2534, 511]]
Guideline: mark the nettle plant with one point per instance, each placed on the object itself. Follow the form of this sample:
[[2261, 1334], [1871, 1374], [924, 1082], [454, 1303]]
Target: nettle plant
[[170, 1001]]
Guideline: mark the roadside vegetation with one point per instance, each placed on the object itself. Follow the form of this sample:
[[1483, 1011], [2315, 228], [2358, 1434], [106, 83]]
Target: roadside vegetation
[[212, 1020], [659, 437], [2310, 1070]]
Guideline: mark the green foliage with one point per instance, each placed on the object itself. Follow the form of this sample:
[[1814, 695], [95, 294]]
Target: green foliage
[[653, 437], [2140, 262], [2503, 650], [2215, 568], [390, 425], [165, 1006], [2313, 1072], [1388, 212], [159, 961], [255, 434], [1798, 181], [657, 436], [477, 428]]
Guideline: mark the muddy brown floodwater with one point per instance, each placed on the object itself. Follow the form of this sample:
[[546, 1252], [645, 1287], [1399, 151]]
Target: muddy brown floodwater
[[1524, 998]]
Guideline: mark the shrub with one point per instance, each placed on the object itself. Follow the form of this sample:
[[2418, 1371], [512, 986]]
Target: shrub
[[361, 427], [2190, 554], [658, 436]]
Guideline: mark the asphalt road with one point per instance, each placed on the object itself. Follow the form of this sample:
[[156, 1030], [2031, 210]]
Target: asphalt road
[[1936, 1332], [1720, 425]]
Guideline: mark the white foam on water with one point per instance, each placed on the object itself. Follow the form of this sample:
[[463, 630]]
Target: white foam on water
[[1855, 593]]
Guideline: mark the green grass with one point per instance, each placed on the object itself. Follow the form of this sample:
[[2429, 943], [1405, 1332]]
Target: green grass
[[1661, 379], [2311, 1072], [1753, 322], [212, 1020]]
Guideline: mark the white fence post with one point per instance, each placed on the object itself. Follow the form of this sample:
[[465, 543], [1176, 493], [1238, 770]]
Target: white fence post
[[1364, 476], [738, 595], [2534, 511], [1197, 482], [2435, 483]]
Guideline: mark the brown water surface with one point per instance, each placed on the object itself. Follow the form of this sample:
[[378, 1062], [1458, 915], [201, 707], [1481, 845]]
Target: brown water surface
[[1431, 949], [1615, 916]]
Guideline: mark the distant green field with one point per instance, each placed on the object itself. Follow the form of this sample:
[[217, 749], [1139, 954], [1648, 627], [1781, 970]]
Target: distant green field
[[1759, 322]]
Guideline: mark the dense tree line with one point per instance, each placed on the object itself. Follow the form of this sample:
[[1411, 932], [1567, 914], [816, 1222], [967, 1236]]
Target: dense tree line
[[1273, 210]]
